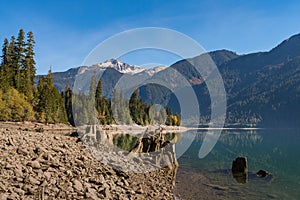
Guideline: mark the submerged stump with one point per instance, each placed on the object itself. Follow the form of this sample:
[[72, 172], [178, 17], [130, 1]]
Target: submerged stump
[[240, 169]]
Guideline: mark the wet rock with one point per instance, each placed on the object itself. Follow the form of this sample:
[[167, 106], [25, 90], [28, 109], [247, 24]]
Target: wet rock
[[240, 165], [240, 169], [262, 173]]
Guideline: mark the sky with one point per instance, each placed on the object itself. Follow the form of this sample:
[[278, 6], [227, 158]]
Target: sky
[[66, 31]]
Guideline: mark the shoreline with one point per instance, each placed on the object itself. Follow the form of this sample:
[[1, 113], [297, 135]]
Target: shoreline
[[51, 164], [34, 126]]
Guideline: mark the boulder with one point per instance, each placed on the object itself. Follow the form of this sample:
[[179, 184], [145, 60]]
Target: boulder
[[262, 173], [239, 165], [240, 169]]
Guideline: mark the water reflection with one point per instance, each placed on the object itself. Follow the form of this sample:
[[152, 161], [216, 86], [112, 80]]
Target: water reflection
[[130, 150], [266, 150]]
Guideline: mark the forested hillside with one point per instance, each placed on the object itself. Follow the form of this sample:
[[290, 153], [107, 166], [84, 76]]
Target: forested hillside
[[21, 99]]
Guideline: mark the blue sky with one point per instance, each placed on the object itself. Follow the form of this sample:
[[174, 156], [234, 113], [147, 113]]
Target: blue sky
[[67, 30]]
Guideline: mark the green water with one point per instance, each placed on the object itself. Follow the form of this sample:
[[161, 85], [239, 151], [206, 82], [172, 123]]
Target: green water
[[277, 151]]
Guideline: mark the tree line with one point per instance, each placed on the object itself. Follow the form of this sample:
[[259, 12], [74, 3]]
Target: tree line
[[94, 108], [22, 99]]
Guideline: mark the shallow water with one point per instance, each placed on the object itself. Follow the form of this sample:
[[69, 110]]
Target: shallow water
[[276, 151]]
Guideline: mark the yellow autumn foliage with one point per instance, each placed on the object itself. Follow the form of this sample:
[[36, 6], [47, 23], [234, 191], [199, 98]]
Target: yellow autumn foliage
[[14, 107]]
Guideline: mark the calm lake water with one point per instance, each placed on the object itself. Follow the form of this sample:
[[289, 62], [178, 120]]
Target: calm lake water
[[276, 151]]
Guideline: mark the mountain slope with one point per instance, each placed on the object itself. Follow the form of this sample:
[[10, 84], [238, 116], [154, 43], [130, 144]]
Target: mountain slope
[[263, 89]]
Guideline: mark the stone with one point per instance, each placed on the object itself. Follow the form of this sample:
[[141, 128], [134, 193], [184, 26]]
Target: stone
[[77, 185], [18, 172], [19, 191], [262, 173], [28, 189], [140, 191], [35, 164], [239, 165], [240, 169], [107, 193], [22, 151], [4, 196], [9, 166], [33, 181], [91, 193]]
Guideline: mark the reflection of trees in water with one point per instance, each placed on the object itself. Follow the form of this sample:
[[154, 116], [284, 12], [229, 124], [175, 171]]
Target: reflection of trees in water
[[247, 139], [128, 141], [235, 138], [131, 151]]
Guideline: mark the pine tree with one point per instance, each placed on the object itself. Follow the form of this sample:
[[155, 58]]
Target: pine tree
[[29, 71], [51, 107], [68, 104], [21, 85], [5, 73], [30, 62], [133, 106], [13, 65]]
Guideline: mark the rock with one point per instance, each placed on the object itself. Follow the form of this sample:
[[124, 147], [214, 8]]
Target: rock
[[4, 196], [77, 185], [262, 173], [140, 191], [9, 166], [239, 165], [35, 164], [19, 191], [107, 193], [39, 150], [10, 142], [28, 189], [33, 181], [240, 169], [18, 172], [91, 193], [44, 167], [22, 151], [126, 182]]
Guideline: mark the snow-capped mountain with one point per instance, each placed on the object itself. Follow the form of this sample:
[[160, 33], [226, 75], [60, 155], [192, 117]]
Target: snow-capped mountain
[[115, 64], [154, 70]]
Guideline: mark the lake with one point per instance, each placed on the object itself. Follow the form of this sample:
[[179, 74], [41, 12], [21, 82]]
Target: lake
[[276, 151]]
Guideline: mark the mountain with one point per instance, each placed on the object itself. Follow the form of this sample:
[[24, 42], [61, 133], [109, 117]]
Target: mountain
[[263, 88], [110, 66], [114, 64]]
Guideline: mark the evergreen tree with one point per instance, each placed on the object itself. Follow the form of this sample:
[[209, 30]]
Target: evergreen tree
[[14, 65], [169, 120], [28, 69], [20, 62], [51, 107], [5, 72], [68, 104]]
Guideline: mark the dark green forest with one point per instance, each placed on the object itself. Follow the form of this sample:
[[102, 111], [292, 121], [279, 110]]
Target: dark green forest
[[22, 99]]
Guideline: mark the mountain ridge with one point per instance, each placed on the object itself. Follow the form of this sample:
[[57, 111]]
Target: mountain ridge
[[262, 88]]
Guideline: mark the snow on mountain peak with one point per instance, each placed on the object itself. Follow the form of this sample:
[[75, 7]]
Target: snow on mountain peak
[[121, 67]]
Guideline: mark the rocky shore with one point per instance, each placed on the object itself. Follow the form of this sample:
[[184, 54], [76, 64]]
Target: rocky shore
[[46, 162]]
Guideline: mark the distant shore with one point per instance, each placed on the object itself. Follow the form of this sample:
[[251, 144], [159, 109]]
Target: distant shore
[[35, 126]]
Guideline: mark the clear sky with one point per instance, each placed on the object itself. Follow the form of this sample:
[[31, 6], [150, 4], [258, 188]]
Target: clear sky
[[67, 30]]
